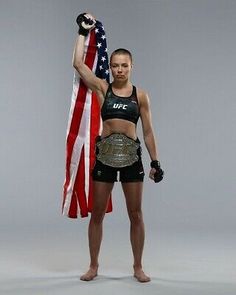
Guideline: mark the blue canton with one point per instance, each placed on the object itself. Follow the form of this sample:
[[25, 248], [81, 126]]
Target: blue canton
[[102, 70]]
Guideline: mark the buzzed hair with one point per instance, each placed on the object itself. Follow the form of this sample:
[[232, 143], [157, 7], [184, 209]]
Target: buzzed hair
[[122, 51]]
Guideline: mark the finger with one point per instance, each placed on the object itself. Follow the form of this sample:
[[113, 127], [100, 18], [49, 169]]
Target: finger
[[90, 16], [89, 22], [151, 176], [153, 170], [88, 26]]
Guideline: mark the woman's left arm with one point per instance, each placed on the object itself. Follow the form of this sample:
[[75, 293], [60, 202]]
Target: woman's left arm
[[148, 133]]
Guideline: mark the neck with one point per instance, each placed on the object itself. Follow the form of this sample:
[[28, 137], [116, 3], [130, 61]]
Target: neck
[[121, 84]]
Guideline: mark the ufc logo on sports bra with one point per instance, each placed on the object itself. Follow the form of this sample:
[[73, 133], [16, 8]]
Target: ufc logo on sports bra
[[120, 106]]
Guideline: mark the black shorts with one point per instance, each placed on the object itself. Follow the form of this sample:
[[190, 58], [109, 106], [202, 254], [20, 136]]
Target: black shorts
[[105, 173]]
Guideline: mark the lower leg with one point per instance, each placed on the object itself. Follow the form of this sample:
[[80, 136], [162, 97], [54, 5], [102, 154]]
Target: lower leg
[[95, 238], [100, 198], [133, 196], [137, 236]]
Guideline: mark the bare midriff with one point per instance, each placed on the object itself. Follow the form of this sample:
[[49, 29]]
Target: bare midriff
[[119, 126]]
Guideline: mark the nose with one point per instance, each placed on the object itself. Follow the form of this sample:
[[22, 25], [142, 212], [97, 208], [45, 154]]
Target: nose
[[119, 69]]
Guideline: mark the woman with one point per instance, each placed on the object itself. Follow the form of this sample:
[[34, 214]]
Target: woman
[[118, 148]]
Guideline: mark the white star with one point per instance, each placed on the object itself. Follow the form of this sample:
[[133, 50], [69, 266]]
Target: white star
[[103, 58], [103, 37], [99, 45], [107, 72], [96, 30], [100, 67], [105, 49]]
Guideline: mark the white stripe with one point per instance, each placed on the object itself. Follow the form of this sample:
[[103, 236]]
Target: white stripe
[[101, 125], [87, 141], [87, 138]]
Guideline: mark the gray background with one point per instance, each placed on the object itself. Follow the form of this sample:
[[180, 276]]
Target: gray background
[[184, 56]]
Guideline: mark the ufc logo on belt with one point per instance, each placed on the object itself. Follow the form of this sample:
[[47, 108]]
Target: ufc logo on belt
[[120, 106]]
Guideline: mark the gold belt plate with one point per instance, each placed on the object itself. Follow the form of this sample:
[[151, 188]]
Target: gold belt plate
[[117, 150]]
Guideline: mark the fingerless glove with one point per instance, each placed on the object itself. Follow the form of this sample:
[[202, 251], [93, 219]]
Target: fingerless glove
[[158, 176], [79, 20]]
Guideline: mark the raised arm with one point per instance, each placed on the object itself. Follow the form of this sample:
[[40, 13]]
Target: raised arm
[[88, 77]]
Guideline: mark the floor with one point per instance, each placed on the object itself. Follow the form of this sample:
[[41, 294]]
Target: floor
[[177, 263]]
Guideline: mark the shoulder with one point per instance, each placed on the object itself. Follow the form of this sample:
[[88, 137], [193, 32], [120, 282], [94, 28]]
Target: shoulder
[[142, 96]]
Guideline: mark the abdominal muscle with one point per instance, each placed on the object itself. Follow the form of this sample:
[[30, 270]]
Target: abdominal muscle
[[119, 126]]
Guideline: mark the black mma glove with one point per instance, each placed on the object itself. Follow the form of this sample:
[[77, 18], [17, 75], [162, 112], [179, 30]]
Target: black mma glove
[[158, 176], [84, 23]]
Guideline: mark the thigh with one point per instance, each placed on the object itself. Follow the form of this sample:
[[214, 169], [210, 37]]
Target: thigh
[[133, 195], [104, 173], [133, 173], [101, 194]]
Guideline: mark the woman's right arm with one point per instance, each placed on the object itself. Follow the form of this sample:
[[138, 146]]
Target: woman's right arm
[[89, 78]]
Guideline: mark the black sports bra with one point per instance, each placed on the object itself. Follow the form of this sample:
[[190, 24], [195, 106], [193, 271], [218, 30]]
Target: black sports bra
[[118, 107]]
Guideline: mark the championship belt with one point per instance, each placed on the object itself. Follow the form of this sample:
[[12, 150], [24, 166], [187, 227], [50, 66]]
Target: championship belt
[[117, 150]]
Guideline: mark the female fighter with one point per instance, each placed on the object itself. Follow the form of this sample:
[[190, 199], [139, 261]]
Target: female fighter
[[118, 148]]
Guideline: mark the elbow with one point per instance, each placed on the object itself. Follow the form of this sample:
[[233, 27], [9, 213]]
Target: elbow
[[77, 64]]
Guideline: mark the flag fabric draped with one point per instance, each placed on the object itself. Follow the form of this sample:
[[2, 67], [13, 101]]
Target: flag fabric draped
[[84, 125]]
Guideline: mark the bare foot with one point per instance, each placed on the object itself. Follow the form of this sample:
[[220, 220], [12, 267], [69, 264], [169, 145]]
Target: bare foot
[[140, 275], [90, 274]]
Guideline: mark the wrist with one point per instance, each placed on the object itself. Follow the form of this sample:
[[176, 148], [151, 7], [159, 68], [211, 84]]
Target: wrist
[[83, 32]]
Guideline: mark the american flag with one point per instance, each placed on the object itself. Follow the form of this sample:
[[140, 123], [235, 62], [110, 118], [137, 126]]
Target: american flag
[[83, 127]]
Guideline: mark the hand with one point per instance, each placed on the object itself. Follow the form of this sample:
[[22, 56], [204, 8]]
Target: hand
[[152, 173], [86, 23], [156, 173]]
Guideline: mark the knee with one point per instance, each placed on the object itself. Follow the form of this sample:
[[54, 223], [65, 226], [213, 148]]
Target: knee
[[97, 216], [136, 217]]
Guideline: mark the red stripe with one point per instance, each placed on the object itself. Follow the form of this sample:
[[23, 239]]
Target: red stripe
[[95, 125], [79, 188]]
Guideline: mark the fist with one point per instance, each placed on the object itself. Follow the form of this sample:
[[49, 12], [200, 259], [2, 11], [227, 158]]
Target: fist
[[86, 21], [156, 172]]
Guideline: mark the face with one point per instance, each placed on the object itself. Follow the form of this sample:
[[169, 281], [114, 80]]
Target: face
[[121, 67]]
